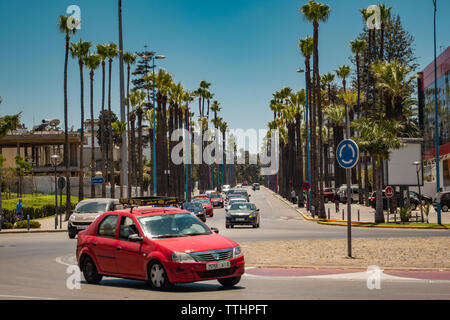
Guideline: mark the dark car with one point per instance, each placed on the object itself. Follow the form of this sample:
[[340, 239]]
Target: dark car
[[445, 201], [414, 201], [256, 186], [425, 199], [242, 213], [238, 193], [196, 208]]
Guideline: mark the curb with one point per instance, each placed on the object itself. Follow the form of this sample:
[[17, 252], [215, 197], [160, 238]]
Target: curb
[[31, 231], [343, 223], [413, 269]]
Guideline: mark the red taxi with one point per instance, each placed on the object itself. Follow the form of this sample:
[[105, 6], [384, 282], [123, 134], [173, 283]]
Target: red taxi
[[216, 200], [206, 202], [161, 246]]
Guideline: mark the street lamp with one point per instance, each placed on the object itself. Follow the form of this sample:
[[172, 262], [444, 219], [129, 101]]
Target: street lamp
[[55, 162], [417, 164], [307, 137], [436, 122], [155, 191]]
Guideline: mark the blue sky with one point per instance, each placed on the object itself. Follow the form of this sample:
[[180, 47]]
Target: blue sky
[[247, 49]]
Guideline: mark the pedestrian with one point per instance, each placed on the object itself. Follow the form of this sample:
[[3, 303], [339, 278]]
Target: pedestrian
[[293, 196], [336, 203], [19, 210]]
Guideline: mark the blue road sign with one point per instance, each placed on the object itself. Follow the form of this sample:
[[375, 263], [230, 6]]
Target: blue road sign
[[347, 154], [98, 180]]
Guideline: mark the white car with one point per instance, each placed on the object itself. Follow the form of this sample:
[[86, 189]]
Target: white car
[[235, 200], [226, 188]]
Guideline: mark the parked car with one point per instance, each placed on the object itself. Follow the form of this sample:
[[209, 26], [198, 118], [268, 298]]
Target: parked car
[[242, 213], [159, 246], [413, 201], [343, 194], [425, 199], [87, 211], [445, 201], [329, 194], [195, 208], [206, 204], [235, 200], [256, 186], [216, 199]]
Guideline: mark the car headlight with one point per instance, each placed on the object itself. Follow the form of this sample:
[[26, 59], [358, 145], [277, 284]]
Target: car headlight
[[72, 218], [237, 252], [182, 257]]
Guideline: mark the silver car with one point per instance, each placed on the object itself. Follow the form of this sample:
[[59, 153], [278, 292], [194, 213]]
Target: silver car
[[242, 213], [87, 211]]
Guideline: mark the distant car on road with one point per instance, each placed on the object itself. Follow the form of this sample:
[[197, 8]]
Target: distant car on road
[[342, 192], [161, 246], [235, 200], [242, 193], [206, 204], [256, 186], [242, 213], [87, 211], [216, 199], [239, 185], [226, 188], [196, 208], [445, 201], [329, 194]]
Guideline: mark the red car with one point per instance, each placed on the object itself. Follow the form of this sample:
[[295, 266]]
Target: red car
[[216, 200], [329, 195], [162, 246], [206, 202]]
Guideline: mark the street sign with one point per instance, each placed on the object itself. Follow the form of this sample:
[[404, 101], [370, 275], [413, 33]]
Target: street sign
[[347, 154], [389, 191], [61, 183], [306, 186], [98, 180]]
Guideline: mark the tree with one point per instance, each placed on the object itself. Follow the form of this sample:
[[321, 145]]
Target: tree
[[112, 53], [216, 108], [102, 51], [67, 30], [92, 63], [80, 51]]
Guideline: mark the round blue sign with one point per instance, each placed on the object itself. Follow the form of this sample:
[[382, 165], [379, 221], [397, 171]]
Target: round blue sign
[[347, 154]]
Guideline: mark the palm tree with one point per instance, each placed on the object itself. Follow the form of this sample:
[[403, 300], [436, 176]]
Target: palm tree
[[67, 31], [317, 12], [112, 53], [378, 138], [385, 14], [215, 107], [223, 129], [92, 63], [129, 58], [327, 79], [80, 51], [102, 51]]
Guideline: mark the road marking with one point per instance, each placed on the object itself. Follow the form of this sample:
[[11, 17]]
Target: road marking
[[67, 260], [26, 297]]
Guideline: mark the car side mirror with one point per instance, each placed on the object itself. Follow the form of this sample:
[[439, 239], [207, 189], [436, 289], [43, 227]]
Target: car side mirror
[[135, 238], [215, 230], [257, 210]]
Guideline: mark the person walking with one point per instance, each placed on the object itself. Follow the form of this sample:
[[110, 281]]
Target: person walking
[[19, 210], [293, 196]]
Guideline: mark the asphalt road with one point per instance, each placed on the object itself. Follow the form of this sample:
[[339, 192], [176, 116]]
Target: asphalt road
[[34, 266]]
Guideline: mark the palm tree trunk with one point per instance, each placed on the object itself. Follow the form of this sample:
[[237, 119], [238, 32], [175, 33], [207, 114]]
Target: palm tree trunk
[[130, 166], [81, 164], [93, 166], [140, 170], [102, 133], [66, 133], [111, 143]]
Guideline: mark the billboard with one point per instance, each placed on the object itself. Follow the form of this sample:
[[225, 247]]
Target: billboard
[[400, 170]]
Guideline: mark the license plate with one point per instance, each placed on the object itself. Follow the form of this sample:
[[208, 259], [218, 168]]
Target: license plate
[[240, 219], [216, 266], [82, 227]]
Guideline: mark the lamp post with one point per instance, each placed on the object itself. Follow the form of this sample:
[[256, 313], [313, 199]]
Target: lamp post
[[55, 161], [436, 122], [155, 191], [417, 164], [307, 137]]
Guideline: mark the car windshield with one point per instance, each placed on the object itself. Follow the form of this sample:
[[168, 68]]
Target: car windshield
[[193, 206], [202, 201], [237, 200], [173, 226], [214, 196], [91, 207], [242, 206]]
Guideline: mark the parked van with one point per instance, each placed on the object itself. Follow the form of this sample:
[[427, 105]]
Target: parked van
[[342, 193]]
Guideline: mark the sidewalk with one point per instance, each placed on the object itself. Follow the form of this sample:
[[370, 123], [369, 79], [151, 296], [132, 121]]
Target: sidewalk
[[47, 225], [360, 213]]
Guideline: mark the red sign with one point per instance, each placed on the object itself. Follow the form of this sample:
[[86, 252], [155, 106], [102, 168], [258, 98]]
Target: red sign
[[306, 186], [389, 191]]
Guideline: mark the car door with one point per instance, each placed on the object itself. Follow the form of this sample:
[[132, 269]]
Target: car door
[[105, 243], [130, 257]]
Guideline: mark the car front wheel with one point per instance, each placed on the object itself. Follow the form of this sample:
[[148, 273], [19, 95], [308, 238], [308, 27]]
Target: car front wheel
[[229, 282], [157, 277], [445, 208], [90, 272]]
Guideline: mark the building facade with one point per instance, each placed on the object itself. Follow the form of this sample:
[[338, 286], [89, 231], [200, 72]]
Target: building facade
[[427, 119]]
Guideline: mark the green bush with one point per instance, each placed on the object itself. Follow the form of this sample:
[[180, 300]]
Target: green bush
[[24, 225], [405, 214], [7, 225]]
